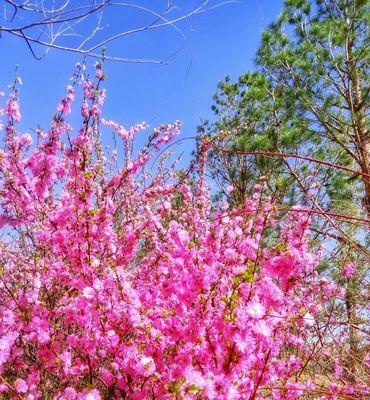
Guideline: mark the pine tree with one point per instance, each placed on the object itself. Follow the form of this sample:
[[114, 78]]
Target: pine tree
[[308, 96]]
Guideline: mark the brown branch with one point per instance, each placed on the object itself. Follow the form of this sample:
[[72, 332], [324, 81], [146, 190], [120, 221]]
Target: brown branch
[[287, 155]]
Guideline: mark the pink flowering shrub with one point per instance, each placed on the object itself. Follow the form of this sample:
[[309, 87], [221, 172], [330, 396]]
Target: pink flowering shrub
[[118, 283]]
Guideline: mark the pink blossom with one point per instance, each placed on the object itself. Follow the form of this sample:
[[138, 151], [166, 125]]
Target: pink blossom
[[88, 292], [21, 386], [255, 309], [120, 278], [308, 319], [93, 395], [6, 344], [348, 270], [12, 109]]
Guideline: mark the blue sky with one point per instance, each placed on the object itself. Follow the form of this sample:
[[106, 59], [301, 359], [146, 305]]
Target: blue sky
[[222, 41]]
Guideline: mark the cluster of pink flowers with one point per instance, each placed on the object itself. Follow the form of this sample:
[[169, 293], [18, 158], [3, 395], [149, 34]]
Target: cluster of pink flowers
[[121, 283]]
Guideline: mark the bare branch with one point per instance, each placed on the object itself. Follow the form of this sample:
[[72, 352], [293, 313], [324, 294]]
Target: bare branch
[[87, 28]]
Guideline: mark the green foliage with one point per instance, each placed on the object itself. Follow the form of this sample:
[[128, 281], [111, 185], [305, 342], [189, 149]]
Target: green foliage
[[300, 99]]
